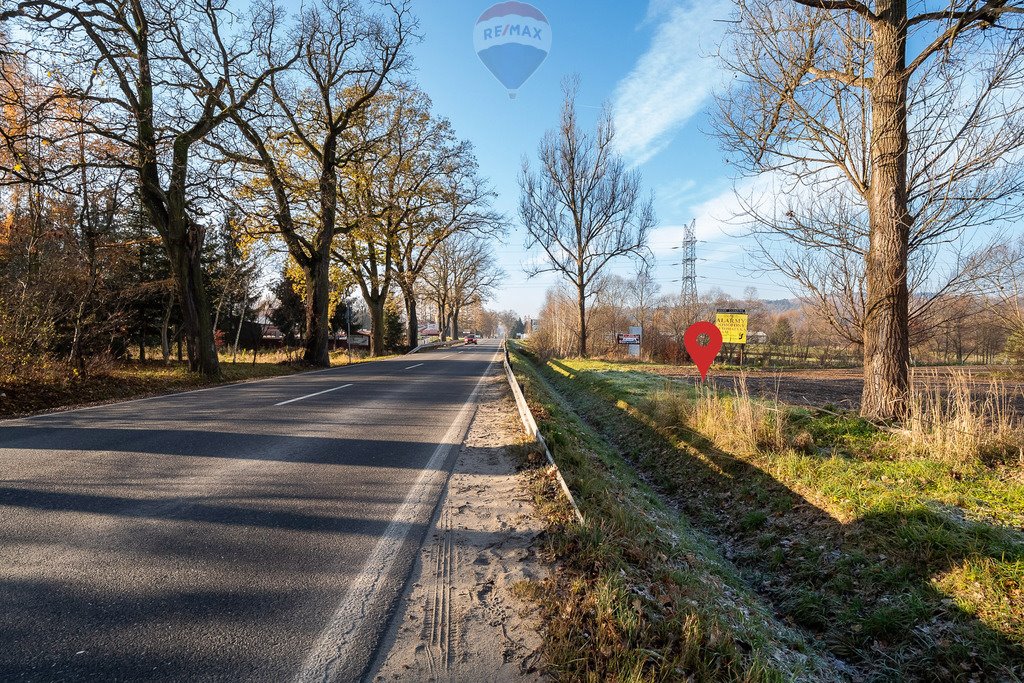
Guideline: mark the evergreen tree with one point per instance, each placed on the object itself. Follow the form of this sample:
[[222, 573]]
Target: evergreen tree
[[393, 332], [289, 314]]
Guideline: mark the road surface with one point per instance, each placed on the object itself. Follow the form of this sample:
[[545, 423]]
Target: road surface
[[257, 531]]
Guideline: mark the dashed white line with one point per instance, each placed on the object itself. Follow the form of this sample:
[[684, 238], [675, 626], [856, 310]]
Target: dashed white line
[[325, 391], [414, 366]]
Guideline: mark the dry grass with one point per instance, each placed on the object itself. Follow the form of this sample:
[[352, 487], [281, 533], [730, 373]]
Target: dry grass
[[950, 420], [41, 383], [732, 420], [950, 423]]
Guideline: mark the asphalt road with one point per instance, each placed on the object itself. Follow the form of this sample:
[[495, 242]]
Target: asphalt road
[[257, 531]]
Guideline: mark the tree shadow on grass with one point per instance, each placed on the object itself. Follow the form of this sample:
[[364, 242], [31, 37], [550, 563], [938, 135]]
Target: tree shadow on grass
[[866, 589]]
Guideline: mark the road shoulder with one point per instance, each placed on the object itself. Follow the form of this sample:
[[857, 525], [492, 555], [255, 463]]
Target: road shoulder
[[461, 617]]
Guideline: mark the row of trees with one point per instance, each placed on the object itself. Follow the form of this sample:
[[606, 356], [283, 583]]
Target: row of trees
[[785, 333], [171, 146]]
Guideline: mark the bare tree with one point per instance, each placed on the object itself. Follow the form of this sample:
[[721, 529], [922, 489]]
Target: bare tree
[[643, 294], [583, 207], [455, 199], [893, 153], [461, 273], [1004, 287]]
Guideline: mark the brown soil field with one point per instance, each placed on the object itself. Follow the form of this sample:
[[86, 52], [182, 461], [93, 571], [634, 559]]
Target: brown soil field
[[842, 387]]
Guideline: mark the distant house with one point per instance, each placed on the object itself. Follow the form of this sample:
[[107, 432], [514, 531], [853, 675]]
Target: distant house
[[757, 337], [271, 335], [360, 339]]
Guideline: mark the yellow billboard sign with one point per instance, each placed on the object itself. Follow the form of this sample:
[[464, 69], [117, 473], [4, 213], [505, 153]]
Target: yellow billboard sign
[[733, 324]]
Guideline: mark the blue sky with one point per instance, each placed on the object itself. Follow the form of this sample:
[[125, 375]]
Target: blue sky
[[651, 63]]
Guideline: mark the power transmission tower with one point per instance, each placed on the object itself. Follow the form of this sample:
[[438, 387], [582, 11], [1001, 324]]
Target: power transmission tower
[[689, 292]]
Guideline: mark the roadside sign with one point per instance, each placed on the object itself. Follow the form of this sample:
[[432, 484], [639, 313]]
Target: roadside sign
[[635, 336], [733, 324], [627, 338]]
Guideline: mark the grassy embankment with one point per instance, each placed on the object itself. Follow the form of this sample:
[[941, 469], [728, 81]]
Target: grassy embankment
[[899, 554], [50, 385], [640, 594]]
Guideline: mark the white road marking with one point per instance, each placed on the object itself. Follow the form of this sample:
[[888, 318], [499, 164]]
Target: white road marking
[[60, 412], [446, 356], [333, 648], [414, 366], [325, 391]]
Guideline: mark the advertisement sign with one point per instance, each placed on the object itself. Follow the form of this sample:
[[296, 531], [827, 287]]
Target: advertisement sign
[[733, 324]]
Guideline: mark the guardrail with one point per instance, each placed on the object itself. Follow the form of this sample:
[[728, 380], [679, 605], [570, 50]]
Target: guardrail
[[432, 345], [530, 425]]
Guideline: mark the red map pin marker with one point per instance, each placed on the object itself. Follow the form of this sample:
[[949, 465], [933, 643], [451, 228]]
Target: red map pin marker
[[703, 356]]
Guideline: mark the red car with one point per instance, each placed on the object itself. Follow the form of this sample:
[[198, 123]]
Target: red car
[[471, 339]]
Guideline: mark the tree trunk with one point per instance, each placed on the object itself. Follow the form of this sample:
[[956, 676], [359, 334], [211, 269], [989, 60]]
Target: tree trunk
[[376, 306], [318, 281], [76, 358], [197, 324], [182, 239], [413, 321], [238, 332], [455, 323], [317, 310], [582, 302], [165, 334], [886, 329]]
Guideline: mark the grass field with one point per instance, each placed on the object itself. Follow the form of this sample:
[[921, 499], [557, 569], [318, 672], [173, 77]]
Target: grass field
[[890, 562], [52, 386]]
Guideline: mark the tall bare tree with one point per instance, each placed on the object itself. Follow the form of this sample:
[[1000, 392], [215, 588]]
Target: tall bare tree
[[455, 200], [886, 154], [583, 206]]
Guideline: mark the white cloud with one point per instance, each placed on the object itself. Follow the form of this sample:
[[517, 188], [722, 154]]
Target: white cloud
[[717, 216], [672, 80], [676, 195]]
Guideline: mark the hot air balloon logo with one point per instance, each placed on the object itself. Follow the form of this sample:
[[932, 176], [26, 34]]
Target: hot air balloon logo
[[512, 39]]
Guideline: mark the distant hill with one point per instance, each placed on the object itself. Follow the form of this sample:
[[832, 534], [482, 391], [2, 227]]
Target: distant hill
[[781, 305]]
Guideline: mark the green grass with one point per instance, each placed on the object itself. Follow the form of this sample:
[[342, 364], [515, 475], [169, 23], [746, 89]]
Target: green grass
[[903, 568], [640, 595]]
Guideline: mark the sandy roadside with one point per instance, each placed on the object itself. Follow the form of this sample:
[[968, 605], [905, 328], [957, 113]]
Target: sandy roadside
[[460, 619]]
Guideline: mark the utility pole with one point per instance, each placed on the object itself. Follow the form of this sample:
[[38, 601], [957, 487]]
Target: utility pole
[[689, 279]]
